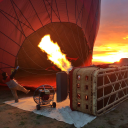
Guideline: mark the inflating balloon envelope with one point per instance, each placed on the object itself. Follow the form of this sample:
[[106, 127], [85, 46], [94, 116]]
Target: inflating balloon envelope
[[72, 24]]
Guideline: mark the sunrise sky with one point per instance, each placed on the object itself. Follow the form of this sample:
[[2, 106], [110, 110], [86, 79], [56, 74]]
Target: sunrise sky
[[111, 42]]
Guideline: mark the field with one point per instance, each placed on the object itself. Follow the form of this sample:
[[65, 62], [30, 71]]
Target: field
[[12, 117]]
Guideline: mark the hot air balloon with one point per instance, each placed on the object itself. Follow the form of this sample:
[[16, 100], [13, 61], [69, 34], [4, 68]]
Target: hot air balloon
[[73, 24]]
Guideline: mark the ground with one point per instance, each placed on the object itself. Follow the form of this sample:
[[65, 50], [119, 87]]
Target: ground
[[11, 117]]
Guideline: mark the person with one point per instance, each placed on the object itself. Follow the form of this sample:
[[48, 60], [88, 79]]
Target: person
[[13, 84]]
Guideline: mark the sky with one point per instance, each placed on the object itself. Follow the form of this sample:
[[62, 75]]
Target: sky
[[111, 42]]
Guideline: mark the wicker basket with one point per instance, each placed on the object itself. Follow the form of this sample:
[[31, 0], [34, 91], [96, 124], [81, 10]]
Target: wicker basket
[[96, 90]]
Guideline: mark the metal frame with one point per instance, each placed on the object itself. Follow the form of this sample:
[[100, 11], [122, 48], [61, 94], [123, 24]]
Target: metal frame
[[107, 88], [116, 81]]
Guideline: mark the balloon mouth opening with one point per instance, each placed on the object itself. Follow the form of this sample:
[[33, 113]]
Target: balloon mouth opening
[[35, 63]]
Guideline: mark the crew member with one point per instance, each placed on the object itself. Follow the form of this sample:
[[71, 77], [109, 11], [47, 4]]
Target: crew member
[[13, 84]]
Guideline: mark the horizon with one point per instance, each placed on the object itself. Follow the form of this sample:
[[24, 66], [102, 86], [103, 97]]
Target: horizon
[[111, 41]]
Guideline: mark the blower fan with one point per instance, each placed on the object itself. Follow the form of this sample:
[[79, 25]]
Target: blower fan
[[44, 95]]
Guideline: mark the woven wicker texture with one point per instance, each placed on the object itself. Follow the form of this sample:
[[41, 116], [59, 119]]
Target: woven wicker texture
[[81, 94], [98, 90]]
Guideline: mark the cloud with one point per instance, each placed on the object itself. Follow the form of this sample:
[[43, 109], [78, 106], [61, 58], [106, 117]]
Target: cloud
[[125, 37], [113, 22], [110, 53], [104, 52]]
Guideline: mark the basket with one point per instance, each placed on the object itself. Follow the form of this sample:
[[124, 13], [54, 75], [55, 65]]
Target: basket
[[96, 90]]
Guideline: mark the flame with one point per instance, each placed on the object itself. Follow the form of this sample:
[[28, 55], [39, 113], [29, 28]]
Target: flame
[[54, 53]]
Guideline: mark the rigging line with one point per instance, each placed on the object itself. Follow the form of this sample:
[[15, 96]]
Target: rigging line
[[73, 34], [57, 11], [53, 9], [79, 13], [36, 73], [54, 27], [79, 38], [31, 28], [47, 11], [36, 64], [78, 18], [82, 14], [32, 59], [70, 25], [50, 17], [24, 16], [5, 44], [94, 20], [37, 69], [87, 52], [59, 37], [6, 67], [82, 31], [80, 46], [75, 8], [71, 45], [15, 18], [98, 16], [85, 42], [61, 40], [13, 23], [75, 41], [10, 38], [8, 52], [36, 12], [18, 19], [67, 10], [83, 35], [56, 30], [66, 36], [25, 59], [23, 31], [88, 20], [6, 64]]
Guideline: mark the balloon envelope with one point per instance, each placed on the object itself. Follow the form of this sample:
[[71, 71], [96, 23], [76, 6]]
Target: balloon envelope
[[73, 24]]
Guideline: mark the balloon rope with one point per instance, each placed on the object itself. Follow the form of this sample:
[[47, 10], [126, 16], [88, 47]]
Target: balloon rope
[[22, 32], [78, 30], [36, 73], [37, 69]]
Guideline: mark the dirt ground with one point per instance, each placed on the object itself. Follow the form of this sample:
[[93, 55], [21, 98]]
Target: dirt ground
[[12, 117]]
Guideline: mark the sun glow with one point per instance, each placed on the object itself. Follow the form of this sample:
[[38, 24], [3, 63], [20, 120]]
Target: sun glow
[[54, 53], [108, 54], [125, 37]]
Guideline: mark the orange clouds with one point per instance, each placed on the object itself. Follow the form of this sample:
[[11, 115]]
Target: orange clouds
[[109, 53], [125, 37], [112, 40]]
